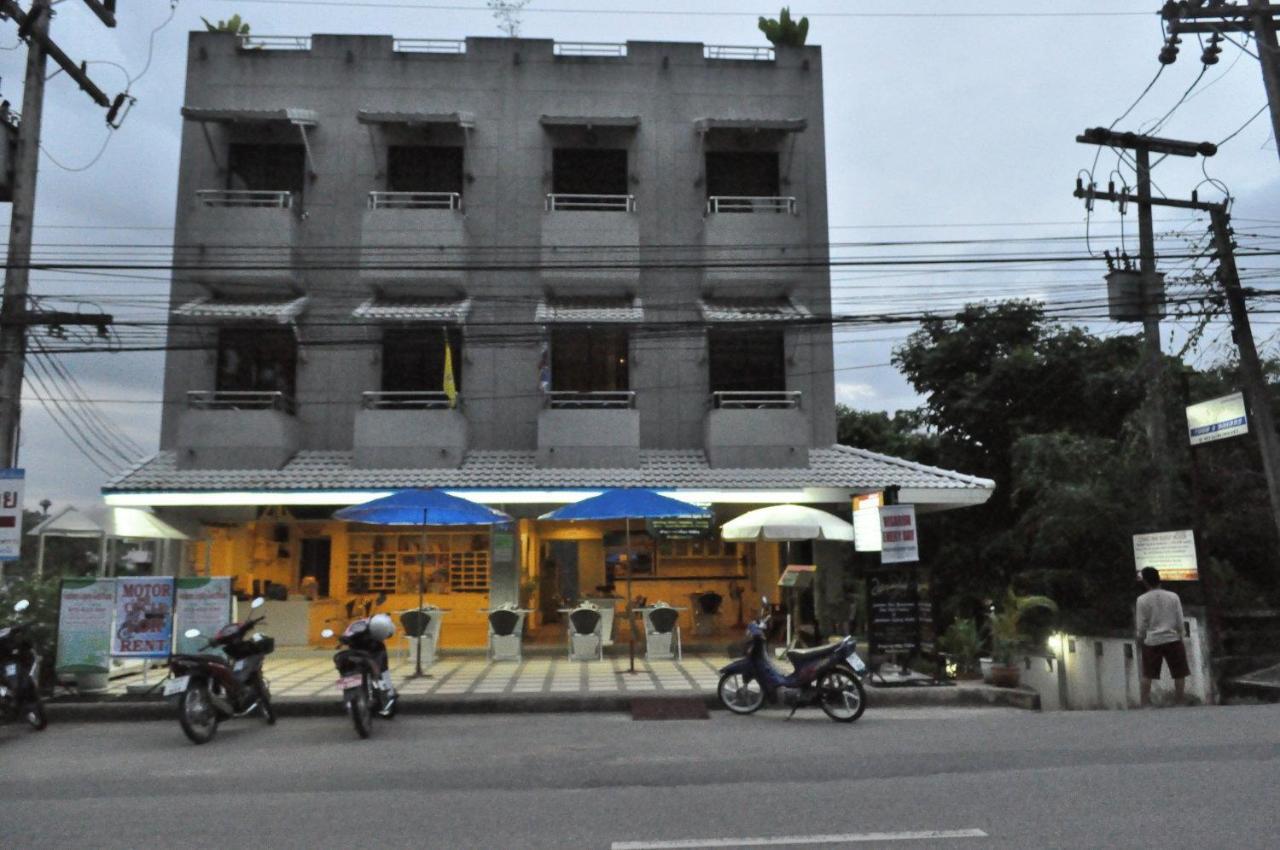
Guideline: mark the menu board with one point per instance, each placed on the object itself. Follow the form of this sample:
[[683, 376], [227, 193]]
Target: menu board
[[682, 528], [901, 612]]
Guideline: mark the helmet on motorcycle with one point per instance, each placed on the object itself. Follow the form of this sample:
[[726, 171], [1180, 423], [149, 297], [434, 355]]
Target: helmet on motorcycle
[[381, 627]]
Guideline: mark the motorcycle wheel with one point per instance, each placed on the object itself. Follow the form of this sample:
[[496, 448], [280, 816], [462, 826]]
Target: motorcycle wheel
[[34, 715], [264, 701], [739, 695], [358, 707], [841, 695], [197, 715]]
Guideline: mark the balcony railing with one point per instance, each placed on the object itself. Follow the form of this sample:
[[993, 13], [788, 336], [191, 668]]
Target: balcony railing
[[244, 198], [275, 42], [590, 48], [428, 45], [734, 51], [608, 203], [405, 400], [610, 400], [755, 400], [750, 204], [240, 400], [415, 201]]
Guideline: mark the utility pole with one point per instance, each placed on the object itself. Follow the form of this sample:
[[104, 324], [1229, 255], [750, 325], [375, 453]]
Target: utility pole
[[1152, 301], [1218, 18]]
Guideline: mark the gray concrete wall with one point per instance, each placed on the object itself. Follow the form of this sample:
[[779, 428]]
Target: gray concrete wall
[[236, 439], [507, 85], [410, 439]]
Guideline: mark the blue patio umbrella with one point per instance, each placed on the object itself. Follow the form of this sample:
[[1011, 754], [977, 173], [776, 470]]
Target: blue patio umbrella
[[423, 508], [627, 504]]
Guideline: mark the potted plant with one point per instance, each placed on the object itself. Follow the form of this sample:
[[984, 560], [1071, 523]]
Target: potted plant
[[961, 643], [1009, 638]]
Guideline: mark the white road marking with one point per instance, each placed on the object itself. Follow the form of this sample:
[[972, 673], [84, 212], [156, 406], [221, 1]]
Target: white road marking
[[847, 838]]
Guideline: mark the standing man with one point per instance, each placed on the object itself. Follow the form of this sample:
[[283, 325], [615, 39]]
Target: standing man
[[1159, 630]]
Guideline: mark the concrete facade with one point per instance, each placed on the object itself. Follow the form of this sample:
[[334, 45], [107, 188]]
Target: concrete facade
[[502, 247]]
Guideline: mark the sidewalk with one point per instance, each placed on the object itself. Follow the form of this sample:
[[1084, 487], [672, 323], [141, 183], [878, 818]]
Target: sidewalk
[[302, 683]]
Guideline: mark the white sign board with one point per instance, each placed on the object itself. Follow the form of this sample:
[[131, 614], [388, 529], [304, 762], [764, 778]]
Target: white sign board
[[11, 481], [1217, 419], [1173, 553], [898, 534], [866, 522], [203, 604]]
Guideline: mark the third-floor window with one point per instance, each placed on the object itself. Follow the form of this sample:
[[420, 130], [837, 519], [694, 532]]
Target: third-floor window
[[259, 167], [432, 169], [257, 360]]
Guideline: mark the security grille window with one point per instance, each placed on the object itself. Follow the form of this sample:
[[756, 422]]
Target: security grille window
[[589, 172], [424, 168], [371, 572], [587, 360], [743, 360], [743, 174], [266, 167], [257, 360], [413, 358]]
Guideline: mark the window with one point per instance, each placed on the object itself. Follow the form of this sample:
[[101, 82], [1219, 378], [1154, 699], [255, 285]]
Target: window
[[266, 167], [413, 358], [587, 360], [752, 174], [746, 360], [589, 171], [393, 563], [257, 360], [371, 572], [424, 168]]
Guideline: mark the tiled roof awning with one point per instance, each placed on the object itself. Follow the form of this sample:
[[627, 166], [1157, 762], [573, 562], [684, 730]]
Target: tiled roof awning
[[237, 309], [777, 125], [413, 310], [752, 310], [298, 117], [466, 120], [588, 310], [626, 122]]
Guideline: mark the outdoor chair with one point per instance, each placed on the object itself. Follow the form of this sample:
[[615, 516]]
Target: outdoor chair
[[506, 628], [418, 622], [662, 632], [585, 640]]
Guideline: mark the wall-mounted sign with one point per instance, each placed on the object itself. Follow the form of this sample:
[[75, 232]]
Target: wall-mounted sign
[[1173, 553], [11, 481], [683, 528], [866, 522], [899, 540], [1217, 419]]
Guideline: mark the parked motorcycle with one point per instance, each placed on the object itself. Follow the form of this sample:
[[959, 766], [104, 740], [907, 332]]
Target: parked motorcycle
[[20, 665], [365, 680], [829, 677], [209, 688]]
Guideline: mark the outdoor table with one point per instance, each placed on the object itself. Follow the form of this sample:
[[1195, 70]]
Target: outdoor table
[[608, 606]]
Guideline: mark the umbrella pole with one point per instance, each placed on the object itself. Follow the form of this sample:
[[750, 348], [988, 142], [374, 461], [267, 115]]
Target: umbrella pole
[[422, 578], [631, 621]]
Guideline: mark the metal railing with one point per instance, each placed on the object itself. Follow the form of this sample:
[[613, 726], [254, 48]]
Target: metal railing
[[590, 48], [429, 45], [601, 400], [240, 400], [750, 204], [756, 400], [244, 198], [415, 201], [275, 42], [736, 51], [405, 400], [603, 203]]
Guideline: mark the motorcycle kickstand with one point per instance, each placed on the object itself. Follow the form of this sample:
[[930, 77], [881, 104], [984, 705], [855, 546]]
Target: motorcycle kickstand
[[794, 709]]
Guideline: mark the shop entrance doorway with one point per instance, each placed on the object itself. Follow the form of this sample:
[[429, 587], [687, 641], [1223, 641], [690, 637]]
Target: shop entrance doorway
[[314, 561]]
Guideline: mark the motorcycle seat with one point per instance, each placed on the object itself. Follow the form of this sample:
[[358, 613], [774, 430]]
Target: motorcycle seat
[[805, 656]]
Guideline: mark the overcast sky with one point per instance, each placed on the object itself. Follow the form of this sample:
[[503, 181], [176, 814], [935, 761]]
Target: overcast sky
[[946, 119]]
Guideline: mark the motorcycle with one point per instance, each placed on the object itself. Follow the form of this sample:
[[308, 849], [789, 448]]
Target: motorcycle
[[209, 688], [829, 677], [365, 680], [20, 665]]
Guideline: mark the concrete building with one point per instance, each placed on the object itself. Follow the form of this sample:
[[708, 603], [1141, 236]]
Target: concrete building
[[518, 269]]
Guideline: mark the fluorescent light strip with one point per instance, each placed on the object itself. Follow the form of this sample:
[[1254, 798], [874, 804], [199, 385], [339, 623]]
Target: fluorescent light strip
[[172, 499]]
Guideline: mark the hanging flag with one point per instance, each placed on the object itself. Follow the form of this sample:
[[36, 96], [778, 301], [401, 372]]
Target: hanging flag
[[544, 367], [450, 387]]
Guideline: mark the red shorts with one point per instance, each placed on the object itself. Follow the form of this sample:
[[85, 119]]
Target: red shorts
[[1174, 654]]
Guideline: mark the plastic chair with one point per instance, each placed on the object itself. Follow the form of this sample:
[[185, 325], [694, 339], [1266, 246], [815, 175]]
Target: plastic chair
[[418, 622], [662, 632], [585, 640], [505, 632]]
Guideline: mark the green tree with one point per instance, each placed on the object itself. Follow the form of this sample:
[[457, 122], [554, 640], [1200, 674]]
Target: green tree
[[783, 31]]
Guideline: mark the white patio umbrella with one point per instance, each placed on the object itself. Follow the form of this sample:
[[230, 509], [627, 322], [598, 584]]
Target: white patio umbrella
[[786, 523]]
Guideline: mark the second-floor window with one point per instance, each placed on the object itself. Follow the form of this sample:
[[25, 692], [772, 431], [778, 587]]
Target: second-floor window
[[413, 359], [746, 360], [587, 360], [257, 360], [589, 178], [424, 169], [266, 167]]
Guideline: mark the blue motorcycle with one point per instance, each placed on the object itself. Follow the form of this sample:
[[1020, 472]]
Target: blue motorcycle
[[829, 677]]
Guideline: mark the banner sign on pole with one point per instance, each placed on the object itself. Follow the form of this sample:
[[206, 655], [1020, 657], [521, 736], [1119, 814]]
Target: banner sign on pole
[[1173, 553], [200, 603], [11, 481], [899, 541], [144, 617], [85, 610], [866, 522], [1217, 419]]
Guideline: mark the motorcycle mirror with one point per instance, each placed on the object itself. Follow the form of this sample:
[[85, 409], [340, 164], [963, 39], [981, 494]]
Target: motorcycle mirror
[[382, 597], [191, 633], [21, 605], [327, 633], [257, 603]]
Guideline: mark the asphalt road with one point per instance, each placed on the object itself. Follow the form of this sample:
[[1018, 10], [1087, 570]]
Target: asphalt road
[[900, 778]]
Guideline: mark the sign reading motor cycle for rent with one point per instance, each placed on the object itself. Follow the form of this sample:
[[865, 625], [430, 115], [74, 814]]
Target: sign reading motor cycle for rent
[[11, 514], [144, 617]]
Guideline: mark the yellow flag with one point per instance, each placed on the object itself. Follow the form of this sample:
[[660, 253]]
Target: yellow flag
[[450, 388]]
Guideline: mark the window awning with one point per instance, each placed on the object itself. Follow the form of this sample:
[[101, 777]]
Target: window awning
[[629, 122], [297, 117], [752, 310], [590, 310], [242, 310], [413, 310], [465, 120], [776, 125]]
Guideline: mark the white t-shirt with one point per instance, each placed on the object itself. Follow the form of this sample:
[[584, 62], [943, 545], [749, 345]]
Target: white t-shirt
[[1159, 617]]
